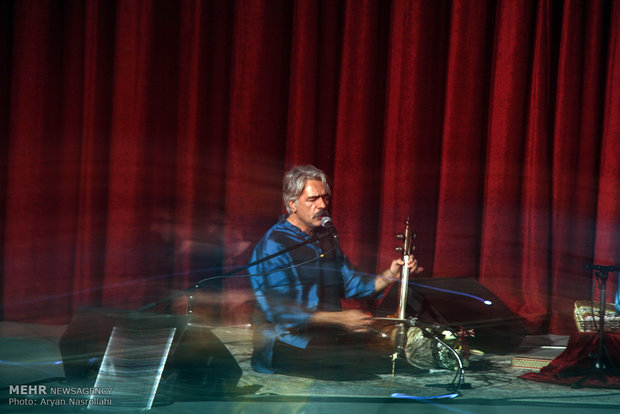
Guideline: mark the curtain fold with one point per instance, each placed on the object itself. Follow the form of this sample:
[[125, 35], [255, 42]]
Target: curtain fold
[[413, 126], [535, 208], [508, 103], [606, 246], [358, 146], [91, 214], [39, 226], [463, 165], [144, 144], [131, 190], [569, 162], [195, 221], [256, 139]]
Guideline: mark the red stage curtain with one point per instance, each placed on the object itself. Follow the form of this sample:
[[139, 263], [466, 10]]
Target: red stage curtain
[[144, 143]]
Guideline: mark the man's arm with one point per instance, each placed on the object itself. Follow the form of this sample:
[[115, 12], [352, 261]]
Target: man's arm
[[353, 320], [276, 290]]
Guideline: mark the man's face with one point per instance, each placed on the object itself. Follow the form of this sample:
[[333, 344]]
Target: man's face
[[311, 206]]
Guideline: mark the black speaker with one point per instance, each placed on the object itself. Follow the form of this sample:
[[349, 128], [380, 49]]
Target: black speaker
[[198, 364], [463, 302]]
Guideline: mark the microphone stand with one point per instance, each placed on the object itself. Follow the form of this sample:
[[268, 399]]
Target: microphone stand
[[200, 283], [600, 366]]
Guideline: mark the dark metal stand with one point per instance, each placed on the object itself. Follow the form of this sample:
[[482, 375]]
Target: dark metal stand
[[602, 363], [599, 360]]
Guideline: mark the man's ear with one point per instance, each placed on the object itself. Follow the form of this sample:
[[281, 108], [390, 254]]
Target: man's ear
[[293, 206]]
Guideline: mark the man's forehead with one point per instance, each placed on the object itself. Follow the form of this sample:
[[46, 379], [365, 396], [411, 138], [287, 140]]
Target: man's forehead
[[314, 188]]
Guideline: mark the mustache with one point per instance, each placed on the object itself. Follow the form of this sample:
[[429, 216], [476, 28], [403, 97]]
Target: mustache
[[321, 213]]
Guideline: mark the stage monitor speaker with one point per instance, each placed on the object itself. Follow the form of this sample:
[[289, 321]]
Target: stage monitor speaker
[[460, 301], [198, 365]]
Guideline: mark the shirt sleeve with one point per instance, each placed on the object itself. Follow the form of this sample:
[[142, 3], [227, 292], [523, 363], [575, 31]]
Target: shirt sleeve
[[277, 288], [356, 285]]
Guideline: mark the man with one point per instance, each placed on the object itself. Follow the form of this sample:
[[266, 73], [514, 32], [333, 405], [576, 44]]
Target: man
[[299, 325]]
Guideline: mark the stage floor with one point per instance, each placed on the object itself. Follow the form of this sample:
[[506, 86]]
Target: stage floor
[[30, 354]]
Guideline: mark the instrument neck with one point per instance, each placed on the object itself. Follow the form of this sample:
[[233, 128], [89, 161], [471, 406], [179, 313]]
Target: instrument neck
[[404, 283]]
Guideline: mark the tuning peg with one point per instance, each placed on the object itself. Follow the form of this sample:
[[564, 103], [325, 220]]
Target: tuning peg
[[400, 236], [399, 249]]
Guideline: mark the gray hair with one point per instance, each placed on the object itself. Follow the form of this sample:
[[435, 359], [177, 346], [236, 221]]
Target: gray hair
[[295, 182]]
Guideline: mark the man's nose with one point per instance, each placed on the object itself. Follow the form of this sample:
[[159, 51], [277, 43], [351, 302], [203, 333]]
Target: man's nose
[[320, 203]]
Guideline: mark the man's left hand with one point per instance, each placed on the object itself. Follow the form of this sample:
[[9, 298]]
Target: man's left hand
[[397, 264], [394, 272]]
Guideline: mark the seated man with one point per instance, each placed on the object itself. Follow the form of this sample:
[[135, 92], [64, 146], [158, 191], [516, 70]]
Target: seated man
[[299, 325]]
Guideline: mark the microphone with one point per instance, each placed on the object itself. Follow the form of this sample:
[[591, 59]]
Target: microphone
[[327, 223], [600, 268]]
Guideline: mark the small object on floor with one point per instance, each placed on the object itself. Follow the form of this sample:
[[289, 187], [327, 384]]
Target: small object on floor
[[433, 397], [529, 362]]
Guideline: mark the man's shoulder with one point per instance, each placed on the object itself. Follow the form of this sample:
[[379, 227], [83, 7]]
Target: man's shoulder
[[282, 233], [280, 236]]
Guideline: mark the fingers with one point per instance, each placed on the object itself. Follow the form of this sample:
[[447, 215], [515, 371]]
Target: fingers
[[357, 321], [412, 261], [363, 326], [412, 264]]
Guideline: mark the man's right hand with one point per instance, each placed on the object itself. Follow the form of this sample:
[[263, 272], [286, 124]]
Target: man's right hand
[[352, 320]]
